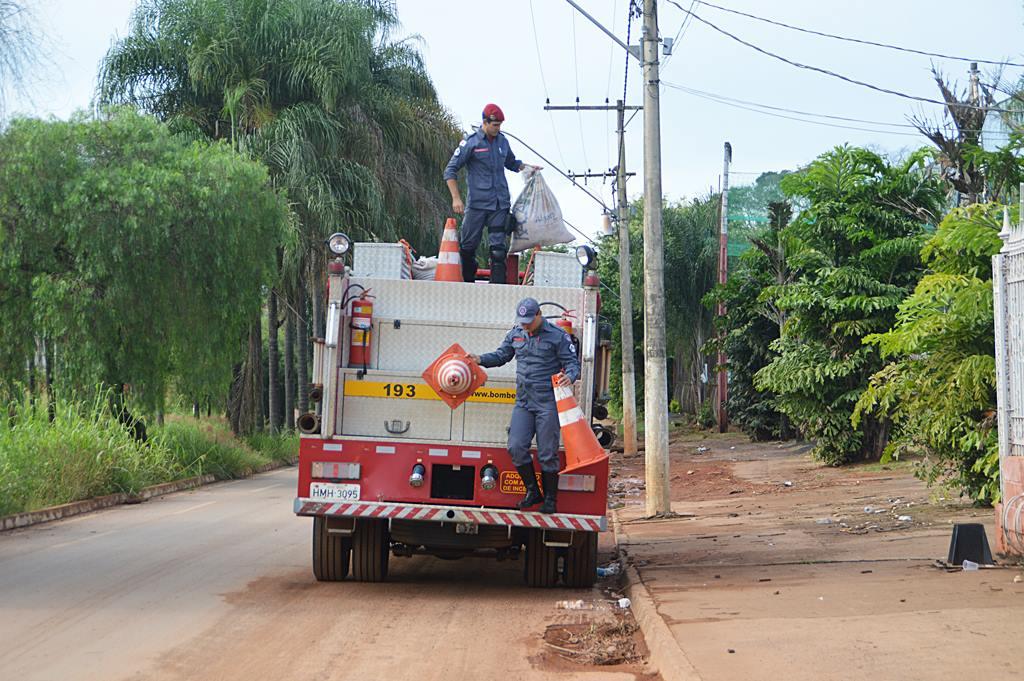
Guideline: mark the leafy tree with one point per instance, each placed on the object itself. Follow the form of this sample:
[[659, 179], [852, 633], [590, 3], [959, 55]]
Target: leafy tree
[[345, 118], [752, 323], [862, 229], [138, 256], [939, 388], [691, 256]]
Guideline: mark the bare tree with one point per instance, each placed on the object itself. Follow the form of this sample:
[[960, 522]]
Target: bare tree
[[958, 135], [19, 47]]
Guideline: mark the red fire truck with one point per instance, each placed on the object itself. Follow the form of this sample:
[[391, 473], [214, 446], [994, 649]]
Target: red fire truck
[[388, 468]]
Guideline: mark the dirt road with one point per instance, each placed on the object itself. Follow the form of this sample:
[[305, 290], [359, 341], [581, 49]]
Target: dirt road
[[216, 584]]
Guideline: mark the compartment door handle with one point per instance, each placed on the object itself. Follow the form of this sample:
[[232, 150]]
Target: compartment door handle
[[395, 427]]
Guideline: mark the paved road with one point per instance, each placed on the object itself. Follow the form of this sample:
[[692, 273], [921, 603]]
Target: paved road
[[216, 584]]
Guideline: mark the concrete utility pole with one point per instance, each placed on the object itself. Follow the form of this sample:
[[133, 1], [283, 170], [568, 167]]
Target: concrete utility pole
[[625, 282], [975, 93], [723, 271], [629, 443], [655, 370]]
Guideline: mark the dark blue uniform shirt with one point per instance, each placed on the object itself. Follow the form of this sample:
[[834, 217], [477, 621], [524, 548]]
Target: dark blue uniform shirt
[[485, 161], [539, 356]]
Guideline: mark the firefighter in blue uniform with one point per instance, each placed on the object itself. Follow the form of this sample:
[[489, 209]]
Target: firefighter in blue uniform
[[485, 154], [541, 350]]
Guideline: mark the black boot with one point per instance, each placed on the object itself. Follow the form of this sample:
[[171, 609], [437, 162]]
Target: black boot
[[498, 266], [533, 496], [468, 259], [550, 481]]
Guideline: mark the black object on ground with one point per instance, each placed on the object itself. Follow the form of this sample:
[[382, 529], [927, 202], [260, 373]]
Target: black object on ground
[[969, 542]]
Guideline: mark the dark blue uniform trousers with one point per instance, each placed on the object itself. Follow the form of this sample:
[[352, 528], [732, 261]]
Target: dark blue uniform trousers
[[473, 223], [535, 417]]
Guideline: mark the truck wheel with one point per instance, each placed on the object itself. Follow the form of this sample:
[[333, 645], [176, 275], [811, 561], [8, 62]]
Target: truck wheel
[[371, 546], [581, 561], [331, 553], [541, 565]]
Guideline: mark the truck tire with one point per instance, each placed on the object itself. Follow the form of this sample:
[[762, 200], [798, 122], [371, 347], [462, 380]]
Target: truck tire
[[331, 553], [581, 561], [371, 547], [541, 565]]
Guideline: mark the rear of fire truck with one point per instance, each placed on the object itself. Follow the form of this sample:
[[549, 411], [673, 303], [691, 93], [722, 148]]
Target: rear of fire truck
[[389, 468]]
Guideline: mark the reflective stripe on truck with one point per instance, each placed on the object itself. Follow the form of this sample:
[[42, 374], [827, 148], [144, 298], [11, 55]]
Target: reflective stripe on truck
[[454, 514]]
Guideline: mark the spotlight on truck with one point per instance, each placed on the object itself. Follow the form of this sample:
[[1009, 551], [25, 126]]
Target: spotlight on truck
[[416, 479], [587, 257], [489, 477], [339, 243]]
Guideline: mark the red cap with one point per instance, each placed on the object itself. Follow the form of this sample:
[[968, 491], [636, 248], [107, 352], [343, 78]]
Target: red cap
[[493, 111]]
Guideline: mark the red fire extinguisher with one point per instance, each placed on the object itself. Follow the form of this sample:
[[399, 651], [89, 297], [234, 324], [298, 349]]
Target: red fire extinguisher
[[362, 331], [565, 322]]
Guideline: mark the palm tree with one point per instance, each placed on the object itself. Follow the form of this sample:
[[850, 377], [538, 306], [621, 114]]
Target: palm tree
[[346, 119]]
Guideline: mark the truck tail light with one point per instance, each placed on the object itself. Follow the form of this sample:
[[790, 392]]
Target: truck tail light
[[418, 472], [489, 477], [331, 470]]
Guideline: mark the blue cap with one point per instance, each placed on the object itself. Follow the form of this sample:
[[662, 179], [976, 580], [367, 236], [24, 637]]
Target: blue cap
[[527, 309]]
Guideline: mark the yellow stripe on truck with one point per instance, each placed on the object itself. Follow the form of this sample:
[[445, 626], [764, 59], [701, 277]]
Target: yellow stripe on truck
[[421, 391]]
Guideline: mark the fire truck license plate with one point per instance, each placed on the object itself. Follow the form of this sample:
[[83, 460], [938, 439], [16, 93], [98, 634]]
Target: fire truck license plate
[[331, 491]]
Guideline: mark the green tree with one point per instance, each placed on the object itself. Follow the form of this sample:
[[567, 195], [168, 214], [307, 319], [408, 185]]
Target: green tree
[[862, 229], [137, 255], [752, 322], [691, 256], [345, 118], [939, 387]]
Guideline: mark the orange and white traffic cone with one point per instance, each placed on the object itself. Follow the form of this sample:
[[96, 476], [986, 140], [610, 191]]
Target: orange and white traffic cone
[[449, 265], [581, 445]]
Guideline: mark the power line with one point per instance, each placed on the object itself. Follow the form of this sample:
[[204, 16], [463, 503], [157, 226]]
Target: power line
[[860, 41], [576, 75], [826, 72], [712, 95], [558, 170], [540, 64], [679, 34], [778, 115]]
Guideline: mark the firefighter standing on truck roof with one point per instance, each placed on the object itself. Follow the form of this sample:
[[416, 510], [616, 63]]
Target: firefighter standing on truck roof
[[485, 154], [541, 350]]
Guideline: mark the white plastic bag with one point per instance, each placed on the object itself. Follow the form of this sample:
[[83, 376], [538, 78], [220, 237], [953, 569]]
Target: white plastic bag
[[538, 217], [424, 268]]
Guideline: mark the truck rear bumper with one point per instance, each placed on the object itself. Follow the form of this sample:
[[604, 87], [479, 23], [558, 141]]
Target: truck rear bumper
[[451, 514]]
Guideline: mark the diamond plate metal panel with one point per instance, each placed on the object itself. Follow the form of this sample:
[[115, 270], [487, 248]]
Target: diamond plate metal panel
[[414, 345], [471, 304], [381, 261], [557, 269], [487, 423]]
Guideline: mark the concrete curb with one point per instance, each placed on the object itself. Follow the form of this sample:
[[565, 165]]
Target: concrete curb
[[666, 654], [45, 515]]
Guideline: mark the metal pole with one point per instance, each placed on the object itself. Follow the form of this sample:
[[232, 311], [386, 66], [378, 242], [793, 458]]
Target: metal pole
[[598, 24], [723, 269], [629, 443], [655, 378]]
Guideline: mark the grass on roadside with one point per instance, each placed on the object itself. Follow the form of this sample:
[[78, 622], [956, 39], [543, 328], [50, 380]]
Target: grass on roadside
[[86, 453]]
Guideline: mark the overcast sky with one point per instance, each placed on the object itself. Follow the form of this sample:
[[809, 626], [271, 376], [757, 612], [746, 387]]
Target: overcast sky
[[517, 53]]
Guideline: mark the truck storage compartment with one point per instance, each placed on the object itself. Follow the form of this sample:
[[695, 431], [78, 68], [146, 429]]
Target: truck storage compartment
[[386, 405]]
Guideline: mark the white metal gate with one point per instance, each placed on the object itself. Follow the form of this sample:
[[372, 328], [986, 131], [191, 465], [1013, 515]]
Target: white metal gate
[[1008, 299]]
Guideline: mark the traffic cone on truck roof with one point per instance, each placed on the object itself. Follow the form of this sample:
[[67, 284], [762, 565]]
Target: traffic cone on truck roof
[[581, 445], [449, 266]]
